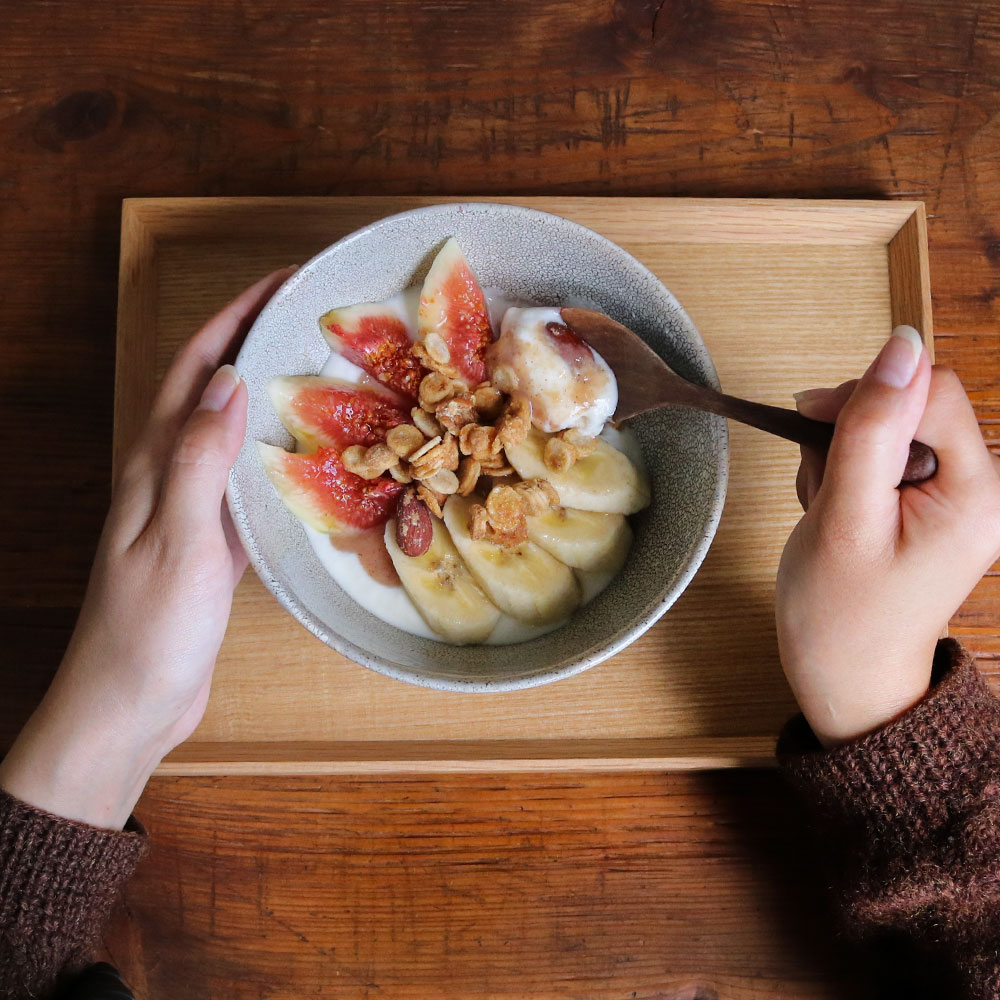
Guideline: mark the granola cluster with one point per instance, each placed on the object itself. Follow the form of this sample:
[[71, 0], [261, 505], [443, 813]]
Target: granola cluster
[[456, 444], [503, 516], [565, 449]]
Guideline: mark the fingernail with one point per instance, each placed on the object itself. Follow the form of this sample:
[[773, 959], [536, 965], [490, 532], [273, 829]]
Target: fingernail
[[807, 395], [897, 362], [220, 389], [810, 401]]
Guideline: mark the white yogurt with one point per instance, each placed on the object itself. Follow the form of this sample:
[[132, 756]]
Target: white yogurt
[[498, 302], [388, 603], [405, 306], [392, 604]]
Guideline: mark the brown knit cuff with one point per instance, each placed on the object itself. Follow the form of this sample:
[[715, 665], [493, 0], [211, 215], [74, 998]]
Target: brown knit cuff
[[916, 774], [58, 882]]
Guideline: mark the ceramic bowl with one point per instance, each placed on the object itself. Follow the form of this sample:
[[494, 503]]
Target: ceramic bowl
[[542, 258]]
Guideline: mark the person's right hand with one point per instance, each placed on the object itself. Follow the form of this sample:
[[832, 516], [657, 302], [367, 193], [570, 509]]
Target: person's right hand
[[872, 573]]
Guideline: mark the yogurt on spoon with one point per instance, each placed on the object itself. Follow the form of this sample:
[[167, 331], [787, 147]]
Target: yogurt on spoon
[[540, 359]]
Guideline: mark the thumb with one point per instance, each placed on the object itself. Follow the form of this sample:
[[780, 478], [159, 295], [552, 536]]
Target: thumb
[[871, 442], [206, 448]]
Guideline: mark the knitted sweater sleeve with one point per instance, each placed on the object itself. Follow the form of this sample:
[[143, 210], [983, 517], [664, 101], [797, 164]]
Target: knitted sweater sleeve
[[58, 882], [909, 820]]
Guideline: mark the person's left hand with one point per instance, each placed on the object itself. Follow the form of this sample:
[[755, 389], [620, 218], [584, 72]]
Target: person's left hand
[[135, 679]]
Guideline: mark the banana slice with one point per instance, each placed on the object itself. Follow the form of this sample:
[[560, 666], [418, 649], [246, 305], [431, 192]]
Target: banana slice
[[582, 539], [526, 582], [442, 588], [606, 481]]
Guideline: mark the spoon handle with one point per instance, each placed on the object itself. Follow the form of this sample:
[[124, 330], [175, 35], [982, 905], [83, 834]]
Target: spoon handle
[[650, 383], [791, 425]]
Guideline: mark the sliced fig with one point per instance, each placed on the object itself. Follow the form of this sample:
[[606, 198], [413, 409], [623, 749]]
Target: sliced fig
[[330, 413], [374, 337], [453, 307], [318, 490]]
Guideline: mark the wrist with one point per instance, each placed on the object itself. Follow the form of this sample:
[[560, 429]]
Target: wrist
[[845, 699], [78, 759], [834, 726]]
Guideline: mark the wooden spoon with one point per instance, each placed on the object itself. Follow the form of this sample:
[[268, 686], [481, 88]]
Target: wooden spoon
[[645, 382]]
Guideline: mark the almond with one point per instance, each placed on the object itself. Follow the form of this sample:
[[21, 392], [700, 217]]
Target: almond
[[414, 528]]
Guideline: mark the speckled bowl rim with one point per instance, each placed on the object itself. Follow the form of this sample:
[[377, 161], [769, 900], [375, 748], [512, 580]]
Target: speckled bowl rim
[[619, 640]]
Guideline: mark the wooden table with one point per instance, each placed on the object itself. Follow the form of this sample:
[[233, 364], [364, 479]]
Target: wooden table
[[669, 886]]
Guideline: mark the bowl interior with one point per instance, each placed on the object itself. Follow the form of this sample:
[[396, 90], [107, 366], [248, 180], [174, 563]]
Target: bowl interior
[[539, 257]]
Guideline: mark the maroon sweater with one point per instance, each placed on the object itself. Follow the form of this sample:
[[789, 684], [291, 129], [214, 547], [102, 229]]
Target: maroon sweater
[[910, 817]]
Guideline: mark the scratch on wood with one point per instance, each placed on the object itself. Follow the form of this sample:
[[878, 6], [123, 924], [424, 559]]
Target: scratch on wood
[[884, 140], [742, 120], [288, 927], [213, 878], [970, 54], [775, 48], [656, 17]]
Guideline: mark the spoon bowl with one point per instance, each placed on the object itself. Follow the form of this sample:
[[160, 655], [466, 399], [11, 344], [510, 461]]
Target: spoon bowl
[[646, 382]]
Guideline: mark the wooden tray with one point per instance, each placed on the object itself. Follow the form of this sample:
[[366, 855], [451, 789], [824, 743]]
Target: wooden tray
[[787, 295]]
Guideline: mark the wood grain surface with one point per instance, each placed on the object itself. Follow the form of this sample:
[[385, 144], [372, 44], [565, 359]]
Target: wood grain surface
[[785, 293], [609, 886]]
